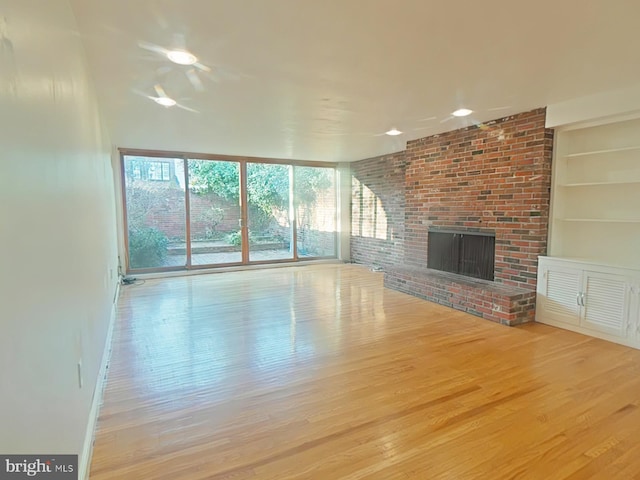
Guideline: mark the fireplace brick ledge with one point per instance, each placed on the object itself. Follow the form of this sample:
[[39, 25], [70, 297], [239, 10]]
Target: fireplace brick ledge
[[505, 304]]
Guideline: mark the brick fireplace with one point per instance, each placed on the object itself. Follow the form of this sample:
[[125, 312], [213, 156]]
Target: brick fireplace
[[492, 179]]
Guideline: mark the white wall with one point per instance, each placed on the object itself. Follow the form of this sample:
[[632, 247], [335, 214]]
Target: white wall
[[58, 255], [604, 107], [344, 212]]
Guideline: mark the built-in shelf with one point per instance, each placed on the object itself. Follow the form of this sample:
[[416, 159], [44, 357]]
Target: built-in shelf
[[591, 184], [599, 152], [601, 220], [595, 202]]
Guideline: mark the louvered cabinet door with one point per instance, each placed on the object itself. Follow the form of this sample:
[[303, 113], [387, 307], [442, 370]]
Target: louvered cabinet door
[[606, 303], [558, 295]]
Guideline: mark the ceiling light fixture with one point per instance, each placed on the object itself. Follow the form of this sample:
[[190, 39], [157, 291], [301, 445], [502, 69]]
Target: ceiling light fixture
[[462, 112], [393, 132], [182, 57], [165, 101]]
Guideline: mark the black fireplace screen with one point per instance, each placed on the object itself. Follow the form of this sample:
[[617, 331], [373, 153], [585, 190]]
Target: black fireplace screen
[[468, 254]]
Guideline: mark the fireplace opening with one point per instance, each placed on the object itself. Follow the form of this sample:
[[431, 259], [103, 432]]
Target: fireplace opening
[[470, 254]]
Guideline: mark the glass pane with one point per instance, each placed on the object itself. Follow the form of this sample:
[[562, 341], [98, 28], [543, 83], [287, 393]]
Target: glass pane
[[268, 203], [155, 209], [316, 206], [214, 210]]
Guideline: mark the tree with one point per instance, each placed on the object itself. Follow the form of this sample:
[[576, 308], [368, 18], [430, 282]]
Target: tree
[[267, 184], [221, 178]]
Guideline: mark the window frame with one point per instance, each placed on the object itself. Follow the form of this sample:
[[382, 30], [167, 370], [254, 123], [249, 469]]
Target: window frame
[[159, 155]]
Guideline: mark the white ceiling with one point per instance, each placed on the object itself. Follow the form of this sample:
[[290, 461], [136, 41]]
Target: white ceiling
[[322, 79]]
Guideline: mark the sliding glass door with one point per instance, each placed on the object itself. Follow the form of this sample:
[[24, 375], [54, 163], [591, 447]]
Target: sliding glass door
[[269, 212], [215, 213], [155, 212], [316, 208], [188, 213]]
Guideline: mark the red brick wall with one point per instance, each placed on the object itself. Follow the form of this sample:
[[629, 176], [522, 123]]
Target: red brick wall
[[495, 177], [378, 210], [229, 220], [167, 214]]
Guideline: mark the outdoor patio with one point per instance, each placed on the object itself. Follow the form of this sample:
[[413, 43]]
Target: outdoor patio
[[220, 252]]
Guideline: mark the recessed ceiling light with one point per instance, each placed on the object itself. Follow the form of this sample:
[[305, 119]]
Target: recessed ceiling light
[[164, 101], [182, 57], [394, 131], [463, 112]]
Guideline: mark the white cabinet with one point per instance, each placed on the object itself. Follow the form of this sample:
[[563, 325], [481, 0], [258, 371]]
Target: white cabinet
[[558, 295], [605, 302], [597, 300], [590, 283]]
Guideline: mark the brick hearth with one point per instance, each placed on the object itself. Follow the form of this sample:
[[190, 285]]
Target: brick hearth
[[493, 301]]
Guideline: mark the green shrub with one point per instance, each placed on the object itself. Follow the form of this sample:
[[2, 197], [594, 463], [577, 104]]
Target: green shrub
[[147, 247], [235, 238]]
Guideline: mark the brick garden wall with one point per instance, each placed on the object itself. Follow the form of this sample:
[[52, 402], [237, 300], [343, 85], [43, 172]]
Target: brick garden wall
[[214, 217], [208, 212]]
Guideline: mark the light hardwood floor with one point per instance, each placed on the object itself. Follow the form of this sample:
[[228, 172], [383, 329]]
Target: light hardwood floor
[[318, 372]]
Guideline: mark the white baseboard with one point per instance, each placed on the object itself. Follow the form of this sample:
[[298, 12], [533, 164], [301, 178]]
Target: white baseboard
[[87, 448]]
